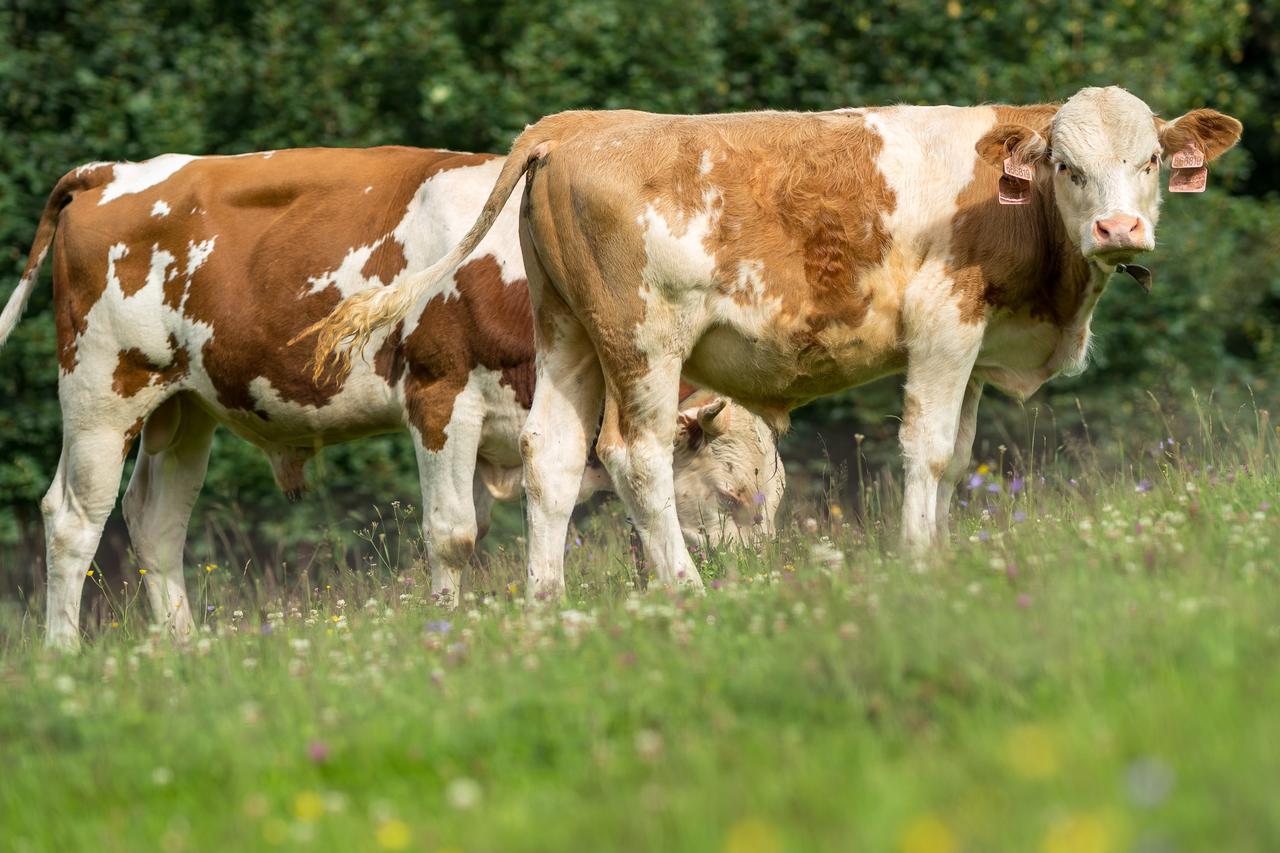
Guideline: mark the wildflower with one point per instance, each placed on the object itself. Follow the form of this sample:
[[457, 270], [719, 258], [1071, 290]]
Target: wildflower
[[393, 835], [89, 573], [142, 571], [649, 744], [994, 488], [975, 482], [463, 794], [1030, 752], [439, 626], [1018, 516], [308, 806], [318, 751], [1024, 601], [161, 776], [752, 835], [927, 834], [209, 567], [1016, 485], [984, 468], [1148, 781], [1086, 833], [1144, 485]]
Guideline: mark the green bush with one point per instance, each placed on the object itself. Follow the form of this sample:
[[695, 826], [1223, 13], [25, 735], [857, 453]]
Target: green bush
[[85, 80]]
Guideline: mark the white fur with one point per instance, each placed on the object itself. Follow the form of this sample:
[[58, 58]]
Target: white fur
[[130, 178]]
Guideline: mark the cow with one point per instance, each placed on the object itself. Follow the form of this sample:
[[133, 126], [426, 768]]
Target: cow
[[777, 257], [179, 283]]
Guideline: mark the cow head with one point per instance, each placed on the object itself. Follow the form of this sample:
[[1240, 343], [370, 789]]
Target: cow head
[[729, 478], [1099, 158]]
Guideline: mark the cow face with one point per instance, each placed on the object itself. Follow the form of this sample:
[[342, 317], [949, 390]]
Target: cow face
[[1100, 159], [729, 478]]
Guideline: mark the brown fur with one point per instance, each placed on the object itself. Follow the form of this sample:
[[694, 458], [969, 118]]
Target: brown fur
[[259, 257], [134, 371], [1014, 257]]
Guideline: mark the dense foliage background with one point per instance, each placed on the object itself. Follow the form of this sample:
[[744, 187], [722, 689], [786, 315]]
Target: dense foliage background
[[84, 80]]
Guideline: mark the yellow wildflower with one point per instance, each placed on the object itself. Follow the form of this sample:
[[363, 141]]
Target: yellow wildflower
[[393, 835]]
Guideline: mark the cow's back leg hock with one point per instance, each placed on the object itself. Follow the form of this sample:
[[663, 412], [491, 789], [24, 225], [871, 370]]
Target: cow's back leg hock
[[962, 455], [166, 481], [558, 431], [447, 478], [636, 446], [75, 509]]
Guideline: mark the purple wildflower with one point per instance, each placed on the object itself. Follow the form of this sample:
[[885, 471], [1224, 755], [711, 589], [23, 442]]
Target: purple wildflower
[[1024, 601], [758, 498], [983, 536], [318, 751], [1018, 516], [976, 481], [1016, 485], [267, 628], [994, 488], [1144, 485], [438, 626]]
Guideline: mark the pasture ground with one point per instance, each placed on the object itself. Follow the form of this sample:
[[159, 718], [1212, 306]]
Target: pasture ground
[[1094, 667]]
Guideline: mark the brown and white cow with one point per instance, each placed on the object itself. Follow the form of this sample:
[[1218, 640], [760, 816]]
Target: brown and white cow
[[179, 283], [777, 257]]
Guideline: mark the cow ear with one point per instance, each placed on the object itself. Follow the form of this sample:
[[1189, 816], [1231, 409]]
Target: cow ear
[[703, 423], [1207, 131], [1017, 141]]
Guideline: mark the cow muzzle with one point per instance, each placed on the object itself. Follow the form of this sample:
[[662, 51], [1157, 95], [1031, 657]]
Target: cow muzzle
[[1115, 239]]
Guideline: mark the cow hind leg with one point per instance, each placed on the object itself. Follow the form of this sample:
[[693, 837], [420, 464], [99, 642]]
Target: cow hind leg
[[75, 510], [636, 446], [447, 477], [557, 433], [166, 480]]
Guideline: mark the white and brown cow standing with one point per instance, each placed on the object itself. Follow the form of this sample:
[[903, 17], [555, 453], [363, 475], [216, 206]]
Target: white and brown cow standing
[[179, 283], [777, 257]]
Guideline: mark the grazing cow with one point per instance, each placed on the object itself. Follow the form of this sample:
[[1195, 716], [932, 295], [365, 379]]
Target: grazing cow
[[777, 257], [179, 283]]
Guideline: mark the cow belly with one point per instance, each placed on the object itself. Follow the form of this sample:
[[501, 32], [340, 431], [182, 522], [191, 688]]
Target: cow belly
[[779, 372], [364, 406]]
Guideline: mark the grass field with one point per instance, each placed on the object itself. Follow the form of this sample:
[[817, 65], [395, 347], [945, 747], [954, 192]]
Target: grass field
[[1093, 667]]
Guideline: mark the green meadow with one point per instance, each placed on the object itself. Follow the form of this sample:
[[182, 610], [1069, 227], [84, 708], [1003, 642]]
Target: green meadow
[[1093, 666]]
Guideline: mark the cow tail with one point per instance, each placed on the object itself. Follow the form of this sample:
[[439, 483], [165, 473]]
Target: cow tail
[[63, 192]]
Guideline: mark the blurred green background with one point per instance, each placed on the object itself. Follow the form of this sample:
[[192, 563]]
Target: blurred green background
[[124, 79]]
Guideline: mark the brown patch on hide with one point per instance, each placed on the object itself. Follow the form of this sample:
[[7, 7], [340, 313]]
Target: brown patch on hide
[[134, 371], [386, 261], [1014, 257], [489, 324], [130, 436]]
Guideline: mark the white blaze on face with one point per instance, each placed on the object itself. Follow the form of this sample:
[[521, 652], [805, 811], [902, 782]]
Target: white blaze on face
[[1103, 142]]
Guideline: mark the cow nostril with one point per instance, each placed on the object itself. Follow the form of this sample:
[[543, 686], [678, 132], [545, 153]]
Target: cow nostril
[[1101, 229]]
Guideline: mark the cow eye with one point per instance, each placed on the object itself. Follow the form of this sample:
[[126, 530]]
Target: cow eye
[[1155, 158], [1063, 168]]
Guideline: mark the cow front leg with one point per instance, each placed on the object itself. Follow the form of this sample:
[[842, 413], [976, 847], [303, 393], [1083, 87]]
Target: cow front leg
[[638, 452], [937, 377], [962, 455], [447, 472]]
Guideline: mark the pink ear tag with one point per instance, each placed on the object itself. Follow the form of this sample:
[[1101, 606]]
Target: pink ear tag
[[1190, 174], [1015, 183]]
